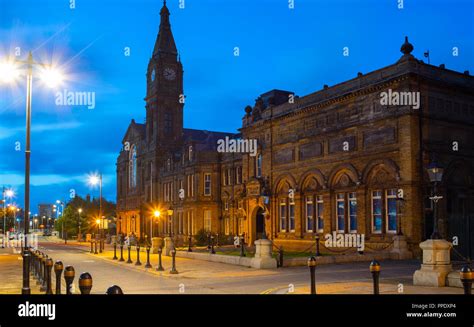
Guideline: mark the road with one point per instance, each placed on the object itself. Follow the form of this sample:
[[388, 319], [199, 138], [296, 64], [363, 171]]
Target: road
[[202, 277]]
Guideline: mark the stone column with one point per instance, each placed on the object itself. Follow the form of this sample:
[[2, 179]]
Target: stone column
[[436, 263], [168, 246]]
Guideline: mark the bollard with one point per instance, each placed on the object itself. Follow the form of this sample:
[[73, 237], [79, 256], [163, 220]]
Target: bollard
[[280, 256], [147, 265], [115, 251], [375, 270], [95, 247], [312, 271], [160, 267], [85, 283], [121, 253], [138, 263], [190, 244], [317, 246], [129, 249], [38, 267], [49, 267], [69, 274], [101, 245], [92, 247], [58, 269], [242, 246], [44, 276], [212, 245], [173, 262], [114, 290], [467, 276]]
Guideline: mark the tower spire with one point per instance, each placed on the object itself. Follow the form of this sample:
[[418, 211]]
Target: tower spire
[[165, 41]]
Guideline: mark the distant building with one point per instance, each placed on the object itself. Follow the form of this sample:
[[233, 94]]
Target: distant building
[[350, 158], [46, 210]]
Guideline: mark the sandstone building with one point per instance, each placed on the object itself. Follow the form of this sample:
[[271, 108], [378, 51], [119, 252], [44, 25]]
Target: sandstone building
[[339, 159]]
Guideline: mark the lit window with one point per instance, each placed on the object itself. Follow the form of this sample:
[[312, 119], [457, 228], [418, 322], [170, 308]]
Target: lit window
[[391, 214], [353, 212], [309, 214], [319, 212], [133, 167], [292, 216], [283, 216], [341, 213], [377, 211], [207, 220]]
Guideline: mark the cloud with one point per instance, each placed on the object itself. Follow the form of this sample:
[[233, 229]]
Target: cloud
[[7, 132]]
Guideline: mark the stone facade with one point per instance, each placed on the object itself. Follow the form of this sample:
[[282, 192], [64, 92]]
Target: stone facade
[[339, 159]]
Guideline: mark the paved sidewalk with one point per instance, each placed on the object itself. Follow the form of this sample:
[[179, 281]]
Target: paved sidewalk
[[367, 288], [11, 272]]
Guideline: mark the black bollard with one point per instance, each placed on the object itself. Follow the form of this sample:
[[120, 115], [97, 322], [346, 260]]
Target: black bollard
[[101, 245], [138, 263], [121, 253], [44, 276], [212, 245], [147, 265], [95, 247], [312, 271], [58, 269], [69, 274], [173, 262], [114, 290], [160, 267], [242, 246], [92, 247], [467, 277], [85, 283], [280, 256], [115, 251], [129, 259], [190, 244], [49, 267], [375, 270], [38, 267]]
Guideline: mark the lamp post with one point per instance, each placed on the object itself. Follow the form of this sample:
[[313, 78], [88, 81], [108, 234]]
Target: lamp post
[[79, 235], [96, 179], [170, 215], [8, 73], [59, 203], [156, 214], [435, 173]]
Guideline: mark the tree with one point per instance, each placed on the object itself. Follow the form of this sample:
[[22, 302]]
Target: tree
[[86, 219]]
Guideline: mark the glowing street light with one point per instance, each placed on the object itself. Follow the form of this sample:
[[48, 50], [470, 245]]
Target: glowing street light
[[93, 180], [157, 215], [8, 73]]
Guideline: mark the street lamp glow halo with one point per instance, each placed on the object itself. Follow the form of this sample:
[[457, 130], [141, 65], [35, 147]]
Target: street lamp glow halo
[[8, 72], [51, 77], [9, 193], [157, 213]]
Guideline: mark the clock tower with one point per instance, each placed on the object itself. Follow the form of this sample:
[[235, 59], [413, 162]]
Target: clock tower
[[164, 96]]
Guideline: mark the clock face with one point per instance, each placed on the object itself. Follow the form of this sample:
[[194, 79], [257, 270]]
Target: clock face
[[169, 74], [153, 74]]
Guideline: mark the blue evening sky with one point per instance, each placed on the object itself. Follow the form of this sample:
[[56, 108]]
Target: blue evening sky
[[296, 49]]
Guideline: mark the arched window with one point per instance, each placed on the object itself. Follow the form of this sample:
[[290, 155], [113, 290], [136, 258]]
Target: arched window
[[133, 167]]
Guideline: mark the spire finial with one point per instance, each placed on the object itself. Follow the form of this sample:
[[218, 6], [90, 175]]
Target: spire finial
[[407, 47]]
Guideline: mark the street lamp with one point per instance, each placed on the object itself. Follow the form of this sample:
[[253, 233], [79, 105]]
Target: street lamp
[[9, 71], [157, 215], [79, 235], [435, 174], [96, 179], [170, 214]]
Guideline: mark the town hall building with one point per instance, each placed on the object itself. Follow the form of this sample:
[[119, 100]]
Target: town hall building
[[348, 158]]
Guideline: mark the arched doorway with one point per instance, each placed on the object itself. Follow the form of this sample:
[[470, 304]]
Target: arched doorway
[[260, 223]]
